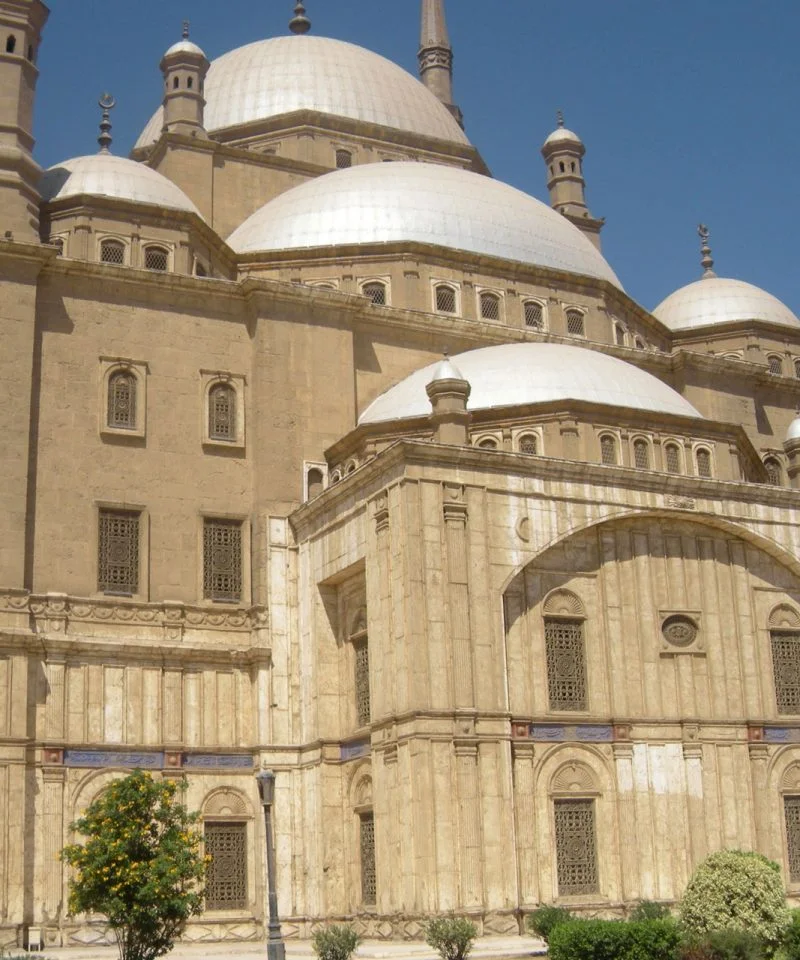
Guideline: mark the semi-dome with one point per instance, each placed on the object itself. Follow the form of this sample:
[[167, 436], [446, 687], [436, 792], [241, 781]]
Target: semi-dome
[[514, 374], [273, 77], [104, 175], [423, 203], [716, 300]]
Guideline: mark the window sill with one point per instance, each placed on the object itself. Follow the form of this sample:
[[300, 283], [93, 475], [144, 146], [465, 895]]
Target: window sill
[[117, 434], [233, 447]]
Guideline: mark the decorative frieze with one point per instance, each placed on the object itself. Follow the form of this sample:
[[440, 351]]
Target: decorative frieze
[[218, 761], [141, 759], [581, 732], [355, 749]]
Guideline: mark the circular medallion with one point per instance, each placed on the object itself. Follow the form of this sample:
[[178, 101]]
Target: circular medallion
[[679, 630]]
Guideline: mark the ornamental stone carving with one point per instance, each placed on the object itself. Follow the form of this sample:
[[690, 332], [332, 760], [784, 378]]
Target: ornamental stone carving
[[679, 630]]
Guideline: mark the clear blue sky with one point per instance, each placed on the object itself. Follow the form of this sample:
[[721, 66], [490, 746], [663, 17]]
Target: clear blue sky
[[689, 109]]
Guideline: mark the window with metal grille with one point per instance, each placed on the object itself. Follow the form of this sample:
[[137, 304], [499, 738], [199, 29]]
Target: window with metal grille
[[488, 444], [445, 299], [791, 815], [490, 306], [226, 876], [58, 243], [363, 709], [639, 343], [641, 454], [529, 443], [534, 315], [369, 884], [774, 472], [786, 670], [376, 293], [608, 449], [797, 368], [112, 251], [672, 458], [222, 412], [575, 324], [703, 463], [222, 560], [156, 258], [118, 552], [576, 847], [619, 335], [199, 269], [121, 412], [566, 664], [775, 365], [344, 159]]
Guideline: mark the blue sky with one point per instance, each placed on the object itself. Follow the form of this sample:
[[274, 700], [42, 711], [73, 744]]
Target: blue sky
[[688, 110]]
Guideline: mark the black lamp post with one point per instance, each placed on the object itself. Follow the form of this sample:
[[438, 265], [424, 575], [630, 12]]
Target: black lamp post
[[276, 949]]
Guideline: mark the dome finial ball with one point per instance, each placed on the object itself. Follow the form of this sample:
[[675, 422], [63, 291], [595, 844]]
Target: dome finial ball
[[300, 23]]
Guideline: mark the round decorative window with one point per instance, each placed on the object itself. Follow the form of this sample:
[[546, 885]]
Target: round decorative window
[[679, 630]]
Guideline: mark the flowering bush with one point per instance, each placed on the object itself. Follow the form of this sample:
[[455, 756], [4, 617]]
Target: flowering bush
[[141, 864]]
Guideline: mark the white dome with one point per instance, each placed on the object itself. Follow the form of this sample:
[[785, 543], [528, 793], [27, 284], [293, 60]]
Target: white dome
[[513, 374], [278, 76], [793, 433], [104, 175], [423, 203], [185, 46], [715, 300], [561, 134]]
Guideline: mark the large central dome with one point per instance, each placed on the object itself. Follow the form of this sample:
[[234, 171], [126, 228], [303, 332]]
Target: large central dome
[[274, 77]]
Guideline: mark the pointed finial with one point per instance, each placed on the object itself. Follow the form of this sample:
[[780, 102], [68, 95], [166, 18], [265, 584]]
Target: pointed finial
[[300, 22], [446, 352], [107, 102], [185, 32], [706, 262], [559, 118]]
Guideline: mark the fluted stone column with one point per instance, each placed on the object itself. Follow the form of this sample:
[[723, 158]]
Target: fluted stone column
[[525, 822]]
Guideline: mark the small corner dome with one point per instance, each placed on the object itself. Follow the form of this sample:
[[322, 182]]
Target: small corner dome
[[408, 202], [713, 301], [517, 374], [185, 46], [105, 175], [562, 135], [793, 433], [445, 370]]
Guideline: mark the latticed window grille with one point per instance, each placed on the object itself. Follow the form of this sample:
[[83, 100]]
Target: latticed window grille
[[490, 306], [791, 814], [445, 299], [672, 456], [773, 470], [488, 444], [775, 365], [112, 251], [363, 708], [118, 552], [534, 315], [376, 293], [369, 883], [786, 670], [222, 412], [222, 560], [344, 159], [121, 413], [608, 449], [529, 443], [226, 879], [58, 243], [641, 454], [199, 269], [619, 335], [576, 847], [703, 463], [566, 664], [797, 368], [156, 258], [575, 324], [639, 343]]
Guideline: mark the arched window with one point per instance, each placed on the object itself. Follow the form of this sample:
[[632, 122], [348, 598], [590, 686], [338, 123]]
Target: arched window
[[797, 368], [199, 269], [608, 449], [672, 458], [775, 364], [565, 652], [156, 258], [11, 44], [112, 251], [376, 292], [529, 443], [774, 470], [488, 443], [445, 299], [226, 817], [703, 458], [366, 843], [344, 159], [534, 315], [222, 412], [490, 306], [574, 818], [639, 343], [641, 454], [561, 166], [786, 669], [121, 407], [575, 324], [30, 52], [619, 335], [189, 83], [58, 243], [315, 482], [176, 83]]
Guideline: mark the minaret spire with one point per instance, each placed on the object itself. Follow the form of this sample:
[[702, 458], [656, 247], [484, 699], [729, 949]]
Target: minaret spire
[[299, 22], [107, 102], [706, 262], [436, 55]]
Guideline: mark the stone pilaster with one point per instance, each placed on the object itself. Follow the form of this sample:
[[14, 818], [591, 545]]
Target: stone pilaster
[[455, 524], [626, 814], [693, 758], [525, 823], [469, 824]]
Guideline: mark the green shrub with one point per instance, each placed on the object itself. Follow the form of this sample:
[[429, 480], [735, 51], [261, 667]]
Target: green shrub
[[791, 939], [650, 910], [736, 890], [451, 937], [545, 919], [336, 942], [723, 945], [615, 940]]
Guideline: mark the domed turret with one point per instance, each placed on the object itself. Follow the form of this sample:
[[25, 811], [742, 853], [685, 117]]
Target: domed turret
[[448, 393], [791, 446], [184, 67]]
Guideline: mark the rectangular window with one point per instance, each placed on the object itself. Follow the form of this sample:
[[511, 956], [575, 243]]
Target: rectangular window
[[226, 879], [786, 670], [363, 711], [222, 560], [369, 886], [791, 812], [576, 849], [118, 552], [566, 664]]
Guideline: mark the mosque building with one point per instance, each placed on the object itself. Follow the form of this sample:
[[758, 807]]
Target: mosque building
[[512, 626]]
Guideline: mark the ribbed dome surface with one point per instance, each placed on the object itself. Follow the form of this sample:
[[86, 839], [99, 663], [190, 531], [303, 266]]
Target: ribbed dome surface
[[716, 300], [104, 175], [424, 203], [278, 76], [513, 374]]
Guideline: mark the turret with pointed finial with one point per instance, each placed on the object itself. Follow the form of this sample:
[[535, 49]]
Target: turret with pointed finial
[[184, 67], [436, 55], [706, 261], [299, 23], [107, 104]]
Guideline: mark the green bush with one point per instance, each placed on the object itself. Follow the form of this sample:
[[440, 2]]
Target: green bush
[[723, 945], [451, 937], [615, 940], [737, 890], [650, 910], [336, 942], [541, 921]]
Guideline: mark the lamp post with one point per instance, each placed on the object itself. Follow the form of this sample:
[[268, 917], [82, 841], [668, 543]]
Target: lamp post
[[276, 949]]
